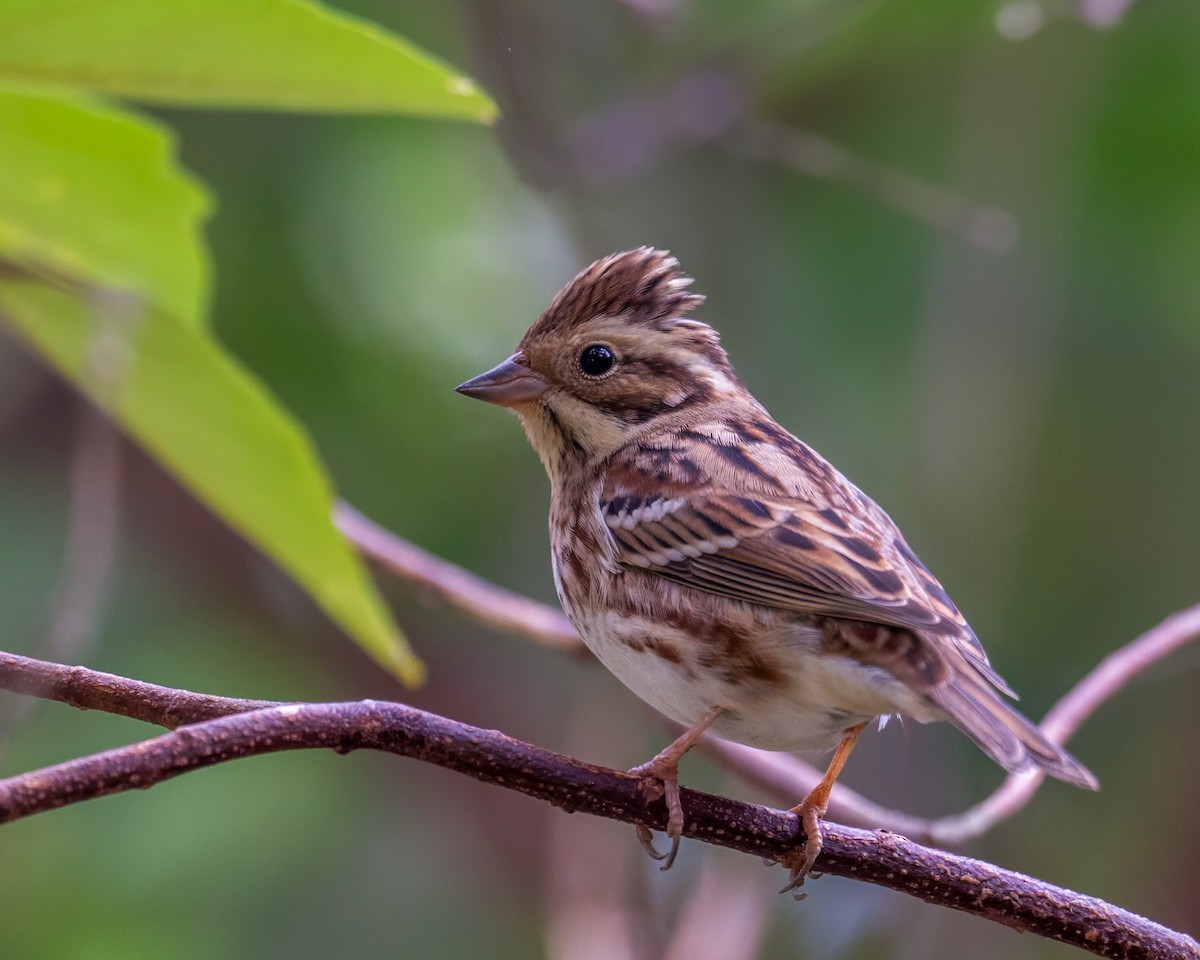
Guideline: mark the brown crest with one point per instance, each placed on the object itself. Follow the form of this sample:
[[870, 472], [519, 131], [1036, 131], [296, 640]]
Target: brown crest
[[643, 285]]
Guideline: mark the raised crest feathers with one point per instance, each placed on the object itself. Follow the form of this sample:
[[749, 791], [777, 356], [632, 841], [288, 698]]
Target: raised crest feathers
[[643, 285]]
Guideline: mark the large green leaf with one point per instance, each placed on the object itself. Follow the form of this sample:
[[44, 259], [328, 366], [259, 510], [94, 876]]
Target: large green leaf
[[94, 193], [101, 276], [279, 54], [212, 425]]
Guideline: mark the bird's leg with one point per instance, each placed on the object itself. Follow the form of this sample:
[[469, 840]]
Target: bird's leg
[[812, 808], [665, 767]]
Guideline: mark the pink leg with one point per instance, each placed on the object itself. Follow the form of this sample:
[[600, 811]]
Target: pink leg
[[665, 767], [812, 808]]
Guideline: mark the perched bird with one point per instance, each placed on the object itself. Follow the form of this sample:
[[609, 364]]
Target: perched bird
[[721, 568]]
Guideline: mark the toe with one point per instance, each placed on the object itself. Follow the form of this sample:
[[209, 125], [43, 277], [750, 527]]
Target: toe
[[801, 861], [646, 839], [674, 818]]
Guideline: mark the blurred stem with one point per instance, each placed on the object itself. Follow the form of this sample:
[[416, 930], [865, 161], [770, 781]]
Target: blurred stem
[[881, 858], [92, 527], [787, 777], [91, 535], [987, 227], [486, 602], [591, 912]]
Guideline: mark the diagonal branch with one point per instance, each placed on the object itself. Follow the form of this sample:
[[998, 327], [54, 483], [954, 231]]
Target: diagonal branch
[[242, 728], [784, 775], [486, 602]]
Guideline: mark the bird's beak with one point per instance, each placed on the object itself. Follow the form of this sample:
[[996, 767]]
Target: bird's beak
[[507, 385]]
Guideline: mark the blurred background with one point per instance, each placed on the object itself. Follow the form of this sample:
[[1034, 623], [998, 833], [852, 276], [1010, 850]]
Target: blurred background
[[955, 246]]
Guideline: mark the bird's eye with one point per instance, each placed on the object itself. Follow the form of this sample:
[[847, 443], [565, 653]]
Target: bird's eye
[[596, 360]]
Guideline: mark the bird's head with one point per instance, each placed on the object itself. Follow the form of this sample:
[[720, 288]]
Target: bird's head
[[612, 355]]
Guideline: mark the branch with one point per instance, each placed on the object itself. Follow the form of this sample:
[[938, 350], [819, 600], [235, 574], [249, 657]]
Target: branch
[[92, 537], [786, 776], [783, 775], [987, 227], [881, 858], [91, 534], [486, 602]]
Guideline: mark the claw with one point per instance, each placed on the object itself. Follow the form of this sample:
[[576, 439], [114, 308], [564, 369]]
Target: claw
[[810, 811], [646, 839], [668, 783], [801, 861], [660, 778], [669, 859]]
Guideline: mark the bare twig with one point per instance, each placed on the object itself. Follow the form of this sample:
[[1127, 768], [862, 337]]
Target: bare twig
[[487, 755], [784, 775], [94, 690], [91, 534], [987, 227], [633, 135], [475, 596], [788, 777], [1109, 677], [91, 546]]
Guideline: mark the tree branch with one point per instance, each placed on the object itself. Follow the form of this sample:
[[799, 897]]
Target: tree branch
[[785, 776], [486, 602], [229, 729]]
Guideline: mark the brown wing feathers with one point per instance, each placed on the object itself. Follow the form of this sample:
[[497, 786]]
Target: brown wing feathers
[[883, 609], [1001, 732], [772, 553]]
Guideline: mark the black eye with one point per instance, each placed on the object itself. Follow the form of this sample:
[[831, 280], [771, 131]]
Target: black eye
[[596, 360]]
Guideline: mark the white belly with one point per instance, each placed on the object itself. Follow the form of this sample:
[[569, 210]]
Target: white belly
[[820, 697]]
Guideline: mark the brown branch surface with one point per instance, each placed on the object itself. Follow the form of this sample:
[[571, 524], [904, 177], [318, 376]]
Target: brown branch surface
[[486, 602], [244, 728], [785, 776]]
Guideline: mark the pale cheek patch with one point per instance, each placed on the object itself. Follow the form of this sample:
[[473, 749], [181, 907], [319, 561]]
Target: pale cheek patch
[[593, 430]]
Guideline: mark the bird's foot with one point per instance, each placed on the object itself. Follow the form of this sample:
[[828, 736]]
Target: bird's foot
[[800, 861], [661, 779], [811, 809]]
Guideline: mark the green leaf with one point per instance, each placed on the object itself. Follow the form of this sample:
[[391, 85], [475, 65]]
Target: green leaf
[[278, 54], [218, 430], [93, 192], [101, 272]]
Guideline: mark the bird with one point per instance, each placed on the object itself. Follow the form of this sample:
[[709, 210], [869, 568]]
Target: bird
[[722, 569]]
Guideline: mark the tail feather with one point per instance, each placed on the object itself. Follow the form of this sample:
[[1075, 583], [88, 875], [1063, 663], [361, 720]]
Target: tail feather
[[1006, 736]]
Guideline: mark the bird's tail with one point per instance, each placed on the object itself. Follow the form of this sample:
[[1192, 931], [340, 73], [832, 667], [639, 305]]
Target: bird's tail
[[973, 705]]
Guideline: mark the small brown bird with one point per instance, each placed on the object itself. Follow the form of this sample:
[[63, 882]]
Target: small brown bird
[[721, 568]]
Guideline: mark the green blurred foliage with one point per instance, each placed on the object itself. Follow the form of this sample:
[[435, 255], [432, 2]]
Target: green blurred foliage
[[272, 54], [1030, 416], [102, 266]]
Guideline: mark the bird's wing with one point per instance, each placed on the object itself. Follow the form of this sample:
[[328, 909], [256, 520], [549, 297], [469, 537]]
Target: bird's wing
[[792, 554]]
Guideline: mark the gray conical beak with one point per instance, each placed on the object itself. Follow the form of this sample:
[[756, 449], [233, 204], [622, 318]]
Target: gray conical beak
[[507, 385]]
